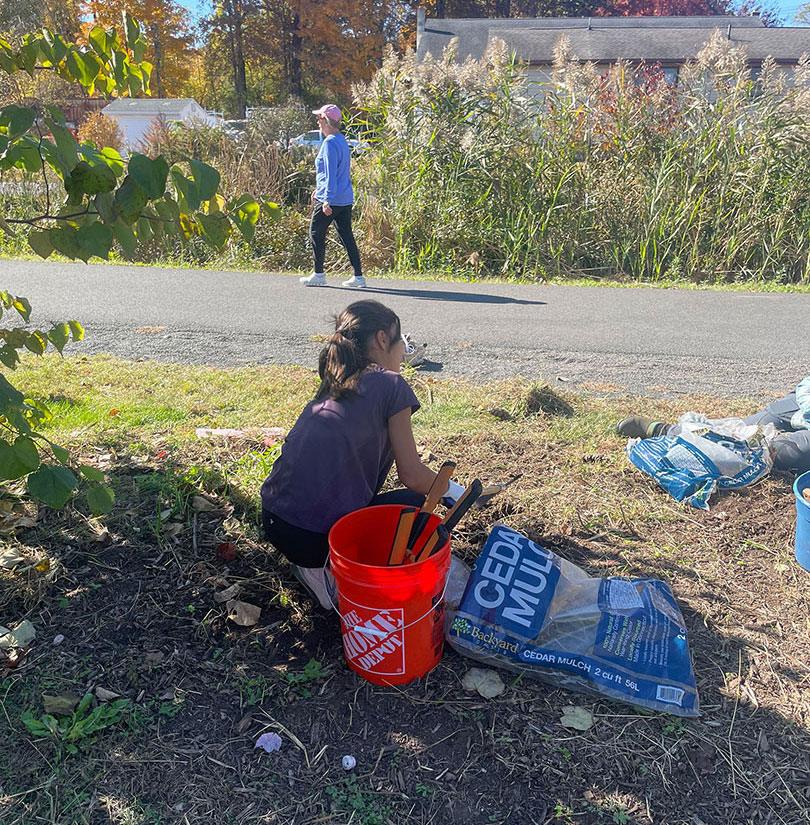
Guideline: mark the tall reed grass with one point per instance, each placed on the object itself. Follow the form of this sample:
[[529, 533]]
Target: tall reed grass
[[623, 174]]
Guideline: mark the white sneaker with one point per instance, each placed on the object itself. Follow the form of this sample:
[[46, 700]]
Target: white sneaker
[[319, 581], [417, 357], [316, 279], [354, 281]]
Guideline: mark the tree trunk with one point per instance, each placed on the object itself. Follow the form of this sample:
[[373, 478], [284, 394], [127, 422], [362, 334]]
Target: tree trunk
[[296, 85], [235, 26]]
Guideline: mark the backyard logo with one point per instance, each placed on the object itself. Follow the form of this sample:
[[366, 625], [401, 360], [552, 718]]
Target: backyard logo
[[374, 639]]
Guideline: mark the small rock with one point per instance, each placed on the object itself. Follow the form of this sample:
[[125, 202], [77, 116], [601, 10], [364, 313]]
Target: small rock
[[348, 763], [58, 639]]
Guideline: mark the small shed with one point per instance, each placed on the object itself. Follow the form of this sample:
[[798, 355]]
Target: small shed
[[135, 116]]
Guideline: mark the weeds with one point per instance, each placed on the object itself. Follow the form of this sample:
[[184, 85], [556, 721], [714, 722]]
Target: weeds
[[360, 805], [82, 724], [589, 174]]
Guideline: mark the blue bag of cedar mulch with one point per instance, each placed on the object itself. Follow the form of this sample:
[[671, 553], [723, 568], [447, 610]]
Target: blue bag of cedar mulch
[[526, 609], [700, 455]]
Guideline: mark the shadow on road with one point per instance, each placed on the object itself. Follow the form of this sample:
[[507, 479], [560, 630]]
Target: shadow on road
[[441, 295]]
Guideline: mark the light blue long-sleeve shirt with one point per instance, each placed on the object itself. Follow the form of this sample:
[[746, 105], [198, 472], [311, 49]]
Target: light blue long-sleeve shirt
[[801, 419], [332, 176]]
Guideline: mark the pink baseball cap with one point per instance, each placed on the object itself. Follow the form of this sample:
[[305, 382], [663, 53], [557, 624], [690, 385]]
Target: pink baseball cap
[[329, 110]]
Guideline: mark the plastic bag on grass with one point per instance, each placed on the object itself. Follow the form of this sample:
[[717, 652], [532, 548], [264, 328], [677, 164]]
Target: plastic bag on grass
[[699, 455], [526, 609]]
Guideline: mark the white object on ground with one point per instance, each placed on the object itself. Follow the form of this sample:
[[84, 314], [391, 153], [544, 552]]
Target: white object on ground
[[316, 279], [354, 282], [268, 742], [348, 762], [58, 639]]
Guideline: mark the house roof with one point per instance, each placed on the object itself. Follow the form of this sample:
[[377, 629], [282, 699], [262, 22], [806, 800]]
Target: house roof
[[168, 107], [608, 45], [610, 38]]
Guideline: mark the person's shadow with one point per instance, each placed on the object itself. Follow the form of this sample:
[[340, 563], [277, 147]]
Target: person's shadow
[[446, 295]]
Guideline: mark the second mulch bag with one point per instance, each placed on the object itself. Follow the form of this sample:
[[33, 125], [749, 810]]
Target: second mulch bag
[[526, 609]]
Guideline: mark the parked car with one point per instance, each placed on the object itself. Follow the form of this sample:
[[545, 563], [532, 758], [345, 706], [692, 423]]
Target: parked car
[[314, 138]]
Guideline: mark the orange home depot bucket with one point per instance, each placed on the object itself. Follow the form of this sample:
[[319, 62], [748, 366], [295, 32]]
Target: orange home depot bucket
[[391, 618]]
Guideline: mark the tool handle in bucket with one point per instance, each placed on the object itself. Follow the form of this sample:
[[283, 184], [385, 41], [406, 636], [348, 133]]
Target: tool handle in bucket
[[432, 499], [451, 520], [403, 532]]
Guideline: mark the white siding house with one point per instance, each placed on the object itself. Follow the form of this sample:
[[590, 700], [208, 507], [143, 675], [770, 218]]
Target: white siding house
[[667, 41], [136, 115]]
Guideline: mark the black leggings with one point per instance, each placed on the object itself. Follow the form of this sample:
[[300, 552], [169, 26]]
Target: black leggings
[[342, 216], [308, 549]]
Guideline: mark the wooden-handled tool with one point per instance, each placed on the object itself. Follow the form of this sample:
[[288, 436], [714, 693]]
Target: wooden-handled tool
[[453, 517], [403, 532], [435, 493]]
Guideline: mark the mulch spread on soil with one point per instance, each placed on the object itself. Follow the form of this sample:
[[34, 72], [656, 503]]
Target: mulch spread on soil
[[139, 618]]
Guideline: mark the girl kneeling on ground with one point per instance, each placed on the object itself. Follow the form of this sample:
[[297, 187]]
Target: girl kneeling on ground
[[339, 453]]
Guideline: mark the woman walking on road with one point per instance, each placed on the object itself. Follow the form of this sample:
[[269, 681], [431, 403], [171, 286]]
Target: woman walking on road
[[333, 198]]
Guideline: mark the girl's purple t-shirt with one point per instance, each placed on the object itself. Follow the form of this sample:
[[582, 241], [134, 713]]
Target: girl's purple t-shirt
[[338, 455]]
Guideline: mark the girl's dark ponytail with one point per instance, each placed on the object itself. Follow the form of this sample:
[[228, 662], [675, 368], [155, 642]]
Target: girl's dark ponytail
[[345, 355]]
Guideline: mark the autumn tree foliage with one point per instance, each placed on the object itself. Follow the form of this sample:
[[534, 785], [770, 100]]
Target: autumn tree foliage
[[570, 8], [169, 30], [20, 16]]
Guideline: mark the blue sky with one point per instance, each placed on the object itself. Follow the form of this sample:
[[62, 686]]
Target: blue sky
[[787, 8]]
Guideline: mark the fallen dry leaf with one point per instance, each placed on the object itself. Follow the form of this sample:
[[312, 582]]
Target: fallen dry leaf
[[10, 558], [22, 635], [172, 529], [576, 717], [486, 682], [61, 704], [228, 594], [104, 695], [226, 551], [243, 613], [806, 494], [203, 505]]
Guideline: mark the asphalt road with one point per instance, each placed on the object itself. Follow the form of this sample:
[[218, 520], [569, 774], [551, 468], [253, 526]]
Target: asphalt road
[[651, 341]]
